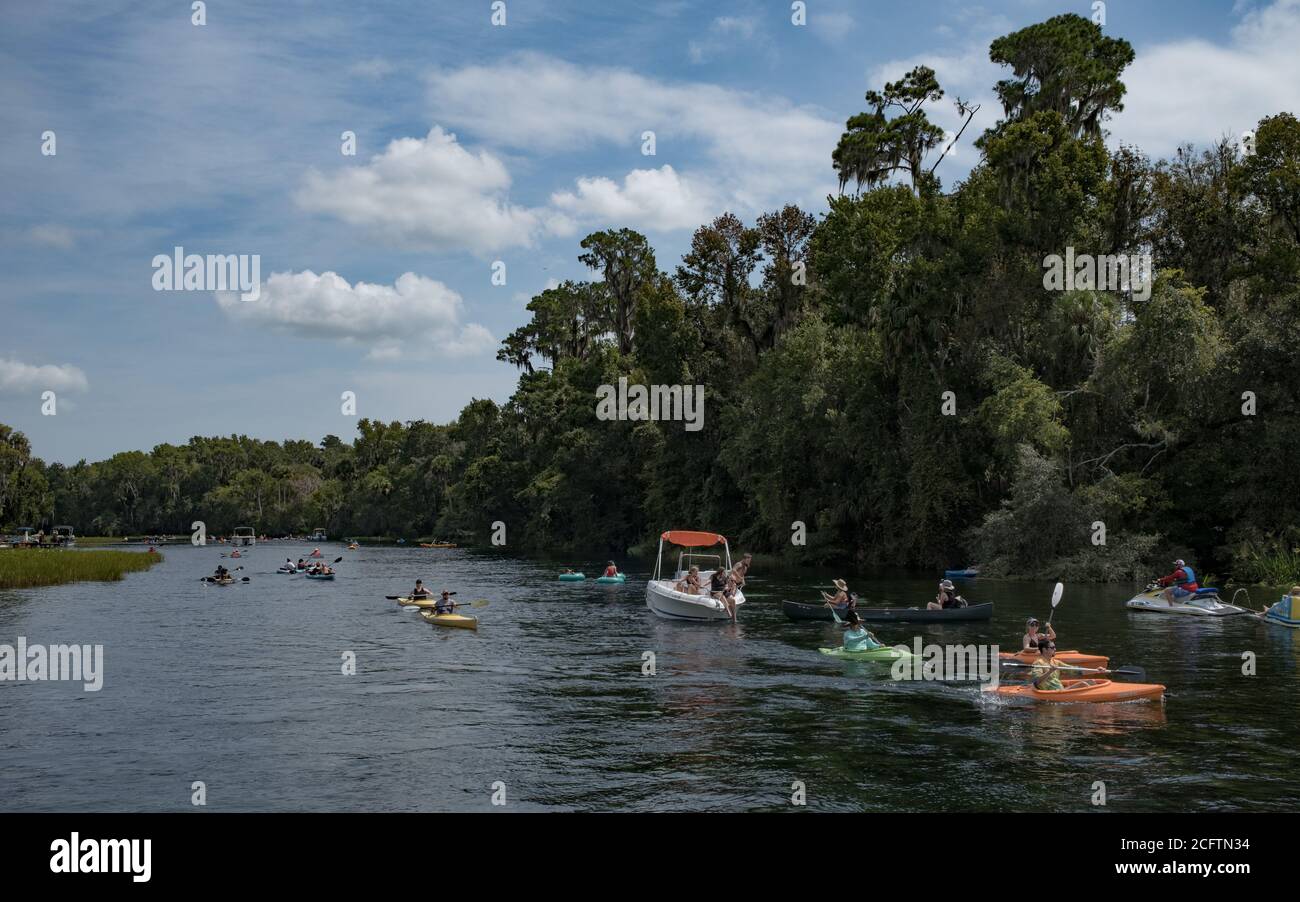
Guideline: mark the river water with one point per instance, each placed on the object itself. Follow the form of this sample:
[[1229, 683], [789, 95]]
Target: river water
[[242, 688]]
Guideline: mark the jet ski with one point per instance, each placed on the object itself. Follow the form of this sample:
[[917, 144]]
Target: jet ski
[[1204, 602]]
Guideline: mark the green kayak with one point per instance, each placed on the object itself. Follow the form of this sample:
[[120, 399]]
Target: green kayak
[[873, 654]]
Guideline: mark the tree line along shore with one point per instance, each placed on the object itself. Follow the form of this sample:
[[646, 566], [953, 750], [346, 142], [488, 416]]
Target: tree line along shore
[[895, 374]]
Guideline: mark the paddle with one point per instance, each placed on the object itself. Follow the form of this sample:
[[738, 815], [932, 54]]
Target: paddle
[[480, 603], [1056, 599], [1126, 670]]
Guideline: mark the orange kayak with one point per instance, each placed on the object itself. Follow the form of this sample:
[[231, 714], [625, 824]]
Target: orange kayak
[[1073, 658], [1084, 691]]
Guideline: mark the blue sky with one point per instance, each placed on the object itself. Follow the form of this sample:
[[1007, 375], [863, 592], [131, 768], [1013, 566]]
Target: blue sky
[[475, 144]]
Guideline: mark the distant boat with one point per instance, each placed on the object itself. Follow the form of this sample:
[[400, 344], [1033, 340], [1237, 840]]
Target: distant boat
[[968, 573]]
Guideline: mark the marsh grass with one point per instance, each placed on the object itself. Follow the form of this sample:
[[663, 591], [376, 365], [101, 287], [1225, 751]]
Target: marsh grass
[[1270, 563], [25, 568]]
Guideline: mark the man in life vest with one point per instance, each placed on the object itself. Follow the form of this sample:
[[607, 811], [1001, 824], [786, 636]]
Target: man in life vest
[[1181, 583]]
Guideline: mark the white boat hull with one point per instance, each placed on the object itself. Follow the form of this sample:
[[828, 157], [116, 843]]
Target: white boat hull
[[1206, 606], [667, 602]]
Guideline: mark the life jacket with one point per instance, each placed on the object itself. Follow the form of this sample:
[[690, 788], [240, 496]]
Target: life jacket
[[1189, 578]]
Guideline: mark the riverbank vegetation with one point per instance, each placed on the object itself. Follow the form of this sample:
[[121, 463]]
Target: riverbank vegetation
[[25, 568], [896, 375]]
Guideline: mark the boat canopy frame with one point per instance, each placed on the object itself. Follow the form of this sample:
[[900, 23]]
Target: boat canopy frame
[[689, 539]]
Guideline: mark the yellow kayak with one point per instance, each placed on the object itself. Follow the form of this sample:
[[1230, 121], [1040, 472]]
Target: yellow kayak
[[460, 621], [426, 602]]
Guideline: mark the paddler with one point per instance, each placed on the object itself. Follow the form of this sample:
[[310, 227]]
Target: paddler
[[1030, 641], [610, 570], [1045, 674], [947, 597], [840, 601], [419, 591], [856, 636], [444, 604], [221, 573], [1181, 583]]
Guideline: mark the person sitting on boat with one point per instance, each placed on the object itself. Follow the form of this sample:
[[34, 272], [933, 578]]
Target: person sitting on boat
[[1288, 608], [420, 591], [856, 636], [741, 568], [444, 604], [1046, 673], [1030, 642], [840, 601], [947, 598], [610, 570], [690, 584], [221, 573], [1181, 583]]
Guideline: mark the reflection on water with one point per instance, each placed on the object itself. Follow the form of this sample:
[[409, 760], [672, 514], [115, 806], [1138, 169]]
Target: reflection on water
[[243, 687]]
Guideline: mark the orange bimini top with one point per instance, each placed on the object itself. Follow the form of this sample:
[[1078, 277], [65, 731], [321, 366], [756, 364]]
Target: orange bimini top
[[691, 539]]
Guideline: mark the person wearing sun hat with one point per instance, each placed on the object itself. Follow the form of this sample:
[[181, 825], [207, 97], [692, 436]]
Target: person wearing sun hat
[[840, 601], [947, 597]]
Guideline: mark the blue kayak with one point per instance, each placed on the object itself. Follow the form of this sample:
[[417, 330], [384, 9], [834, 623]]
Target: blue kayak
[[961, 574]]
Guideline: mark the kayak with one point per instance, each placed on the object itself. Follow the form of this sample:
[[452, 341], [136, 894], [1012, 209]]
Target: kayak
[[572, 577], [968, 573], [437, 545], [896, 653], [320, 575], [459, 621], [283, 570], [219, 582], [1073, 658], [426, 602], [1083, 691], [612, 579], [799, 611], [1205, 603]]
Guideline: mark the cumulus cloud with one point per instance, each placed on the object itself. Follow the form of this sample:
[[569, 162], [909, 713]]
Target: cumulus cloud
[[388, 319], [427, 192], [17, 377], [755, 150], [654, 198], [1198, 91]]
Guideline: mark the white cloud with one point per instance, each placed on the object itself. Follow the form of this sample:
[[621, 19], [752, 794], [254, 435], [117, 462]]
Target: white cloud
[[1198, 91], [17, 377], [52, 235], [652, 198], [414, 311], [426, 192], [756, 151]]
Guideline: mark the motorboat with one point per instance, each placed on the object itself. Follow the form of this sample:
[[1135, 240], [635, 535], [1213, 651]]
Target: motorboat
[[64, 535], [1202, 603], [244, 536], [661, 594]]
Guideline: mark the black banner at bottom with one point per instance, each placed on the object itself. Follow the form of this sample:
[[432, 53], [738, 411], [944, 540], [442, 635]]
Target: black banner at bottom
[[915, 851]]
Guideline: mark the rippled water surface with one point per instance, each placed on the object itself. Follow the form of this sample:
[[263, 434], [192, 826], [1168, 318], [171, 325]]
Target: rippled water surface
[[241, 688]]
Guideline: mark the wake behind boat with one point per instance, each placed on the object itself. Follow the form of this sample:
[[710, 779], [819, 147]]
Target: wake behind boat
[[664, 595]]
